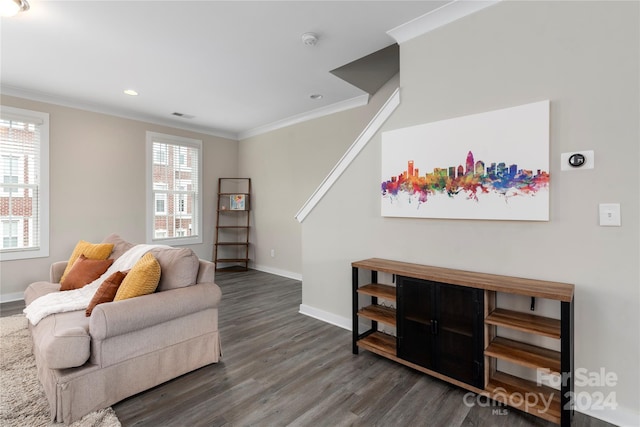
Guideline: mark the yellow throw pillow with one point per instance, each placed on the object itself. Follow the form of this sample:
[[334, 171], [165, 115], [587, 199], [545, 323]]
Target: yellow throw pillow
[[141, 280], [90, 250]]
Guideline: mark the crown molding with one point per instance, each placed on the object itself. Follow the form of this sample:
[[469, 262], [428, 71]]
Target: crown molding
[[438, 18], [101, 109], [96, 108], [348, 104]]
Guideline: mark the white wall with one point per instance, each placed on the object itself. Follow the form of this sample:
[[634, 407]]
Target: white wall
[[97, 185], [584, 57], [285, 167]]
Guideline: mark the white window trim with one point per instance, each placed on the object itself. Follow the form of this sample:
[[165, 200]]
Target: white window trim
[[150, 216], [43, 250]]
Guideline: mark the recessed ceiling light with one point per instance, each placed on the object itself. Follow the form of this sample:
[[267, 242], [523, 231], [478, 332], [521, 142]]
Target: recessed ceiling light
[[131, 92], [315, 96]]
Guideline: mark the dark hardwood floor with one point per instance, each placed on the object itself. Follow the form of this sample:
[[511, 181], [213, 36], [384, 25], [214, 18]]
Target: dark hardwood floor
[[281, 368]]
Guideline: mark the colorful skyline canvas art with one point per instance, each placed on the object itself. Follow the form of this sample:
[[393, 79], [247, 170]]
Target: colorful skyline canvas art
[[492, 165]]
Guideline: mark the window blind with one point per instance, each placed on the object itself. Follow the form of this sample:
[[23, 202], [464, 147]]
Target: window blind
[[20, 183], [175, 190]]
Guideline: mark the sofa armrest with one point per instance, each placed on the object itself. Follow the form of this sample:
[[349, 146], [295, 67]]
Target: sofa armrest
[[120, 317], [56, 271], [206, 272]]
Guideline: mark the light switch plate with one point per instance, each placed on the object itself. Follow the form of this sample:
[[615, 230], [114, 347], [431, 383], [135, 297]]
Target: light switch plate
[[589, 158], [610, 214]]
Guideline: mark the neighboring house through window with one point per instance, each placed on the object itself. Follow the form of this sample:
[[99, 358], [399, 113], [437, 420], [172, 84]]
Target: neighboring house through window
[[174, 189], [24, 184], [160, 197]]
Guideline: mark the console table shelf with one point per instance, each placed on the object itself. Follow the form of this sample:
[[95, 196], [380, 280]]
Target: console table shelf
[[377, 290], [379, 313], [503, 385], [379, 343], [438, 308], [525, 322], [523, 354]]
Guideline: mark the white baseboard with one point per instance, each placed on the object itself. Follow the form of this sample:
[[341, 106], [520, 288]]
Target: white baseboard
[[622, 417], [325, 316], [278, 272], [17, 296]]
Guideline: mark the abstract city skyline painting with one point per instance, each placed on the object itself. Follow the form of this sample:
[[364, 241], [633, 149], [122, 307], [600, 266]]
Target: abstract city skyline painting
[[492, 165]]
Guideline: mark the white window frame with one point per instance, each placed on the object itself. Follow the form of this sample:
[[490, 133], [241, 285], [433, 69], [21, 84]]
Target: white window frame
[[193, 239], [42, 250]]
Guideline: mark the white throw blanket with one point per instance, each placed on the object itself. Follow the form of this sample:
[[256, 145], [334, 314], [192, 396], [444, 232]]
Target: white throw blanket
[[79, 299]]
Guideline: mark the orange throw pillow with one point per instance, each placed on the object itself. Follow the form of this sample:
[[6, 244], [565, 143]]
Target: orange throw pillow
[[83, 272], [107, 291], [90, 250]]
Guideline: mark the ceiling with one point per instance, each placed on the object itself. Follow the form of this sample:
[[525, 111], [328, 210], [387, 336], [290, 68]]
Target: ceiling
[[233, 68]]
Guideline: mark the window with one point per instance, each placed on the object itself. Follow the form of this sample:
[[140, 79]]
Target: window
[[10, 233], [182, 198], [181, 157], [160, 156], [24, 184], [174, 193], [12, 170], [160, 197]]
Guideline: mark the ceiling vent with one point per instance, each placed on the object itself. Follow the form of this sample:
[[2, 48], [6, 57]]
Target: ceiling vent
[[182, 115]]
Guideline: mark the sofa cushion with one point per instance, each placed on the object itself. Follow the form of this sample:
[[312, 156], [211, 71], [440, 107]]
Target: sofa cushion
[[141, 280], [120, 245], [107, 291], [179, 267], [90, 250], [83, 272], [62, 340]]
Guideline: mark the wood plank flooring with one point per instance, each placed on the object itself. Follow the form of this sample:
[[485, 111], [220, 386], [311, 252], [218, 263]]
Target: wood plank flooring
[[281, 368]]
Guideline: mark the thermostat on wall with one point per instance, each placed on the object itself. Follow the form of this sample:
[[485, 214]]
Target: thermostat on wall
[[577, 160]]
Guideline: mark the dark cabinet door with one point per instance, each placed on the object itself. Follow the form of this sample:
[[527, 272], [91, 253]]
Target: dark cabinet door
[[460, 333], [416, 311], [440, 328]]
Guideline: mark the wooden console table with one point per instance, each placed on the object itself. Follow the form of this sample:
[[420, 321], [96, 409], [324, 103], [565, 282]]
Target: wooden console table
[[446, 324]]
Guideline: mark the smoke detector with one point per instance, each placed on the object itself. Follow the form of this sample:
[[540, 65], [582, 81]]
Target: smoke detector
[[310, 39]]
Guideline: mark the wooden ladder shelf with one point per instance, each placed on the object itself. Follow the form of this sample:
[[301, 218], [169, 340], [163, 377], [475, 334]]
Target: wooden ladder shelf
[[231, 248]]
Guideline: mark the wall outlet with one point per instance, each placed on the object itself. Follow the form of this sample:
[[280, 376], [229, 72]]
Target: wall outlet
[[273, 253]]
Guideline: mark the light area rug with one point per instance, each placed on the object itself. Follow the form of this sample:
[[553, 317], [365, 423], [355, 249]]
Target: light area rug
[[22, 399]]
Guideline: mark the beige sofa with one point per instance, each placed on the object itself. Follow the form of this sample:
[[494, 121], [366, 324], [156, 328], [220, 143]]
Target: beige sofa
[[128, 346]]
